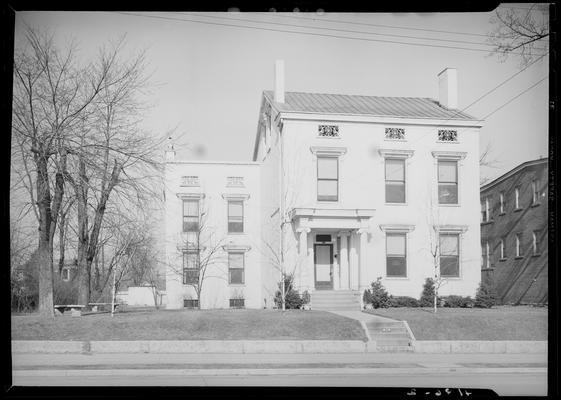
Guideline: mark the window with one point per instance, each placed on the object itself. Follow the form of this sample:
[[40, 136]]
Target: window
[[190, 303], [237, 303], [485, 210], [502, 202], [502, 249], [449, 244], [485, 254], [535, 243], [516, 198], [191, 268], [396, 264], [236, 268], [190, 215], [447, 182], [328, 177], [395, 181], [65, 274], [235, 216], [518, 245], [535, 191]]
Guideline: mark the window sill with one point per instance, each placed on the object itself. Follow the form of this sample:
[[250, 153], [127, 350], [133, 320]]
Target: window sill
[[236, 284], [397, 278], [236, 233], [503, 259], [488, 269], [535, 204], [501, 214], [517, 209], [518, 257], [454, 278], [449, 205], [487, 222], [395, 204], [536, 255]]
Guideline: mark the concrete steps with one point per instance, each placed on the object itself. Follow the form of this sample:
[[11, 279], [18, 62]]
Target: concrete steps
[[390, 336], [335, 300]]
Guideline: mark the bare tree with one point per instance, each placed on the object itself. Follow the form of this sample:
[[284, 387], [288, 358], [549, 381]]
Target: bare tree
[[520, 30], [51, 95]]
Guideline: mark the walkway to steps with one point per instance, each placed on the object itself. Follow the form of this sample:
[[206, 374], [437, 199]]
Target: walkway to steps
[[389, 334]]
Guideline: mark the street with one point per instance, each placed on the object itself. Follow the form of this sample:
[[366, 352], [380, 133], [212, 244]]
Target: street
[[506, 374]]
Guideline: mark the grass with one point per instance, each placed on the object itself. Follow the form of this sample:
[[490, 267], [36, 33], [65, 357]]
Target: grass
[[498, 323], [190, 325]]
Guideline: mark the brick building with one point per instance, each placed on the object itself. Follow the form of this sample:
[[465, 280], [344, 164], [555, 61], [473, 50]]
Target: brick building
[[514, 233]]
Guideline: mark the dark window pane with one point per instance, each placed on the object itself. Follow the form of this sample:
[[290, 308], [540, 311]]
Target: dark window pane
[[395, 192], [190, 224], [236, 276], [190, 276], [449, 266], [447, 193], [396, 266], [235, 226]]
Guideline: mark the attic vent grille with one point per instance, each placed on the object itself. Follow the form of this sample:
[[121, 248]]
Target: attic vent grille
[[328, 131], [189, 181], [447, 135], [395, 133], [234, 181]]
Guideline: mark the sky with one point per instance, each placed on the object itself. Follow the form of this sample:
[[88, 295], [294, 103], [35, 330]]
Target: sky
[[210, 69]]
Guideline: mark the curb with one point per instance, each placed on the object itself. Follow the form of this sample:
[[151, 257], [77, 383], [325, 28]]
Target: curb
[[270, 346], [193, 346], [480, 346]]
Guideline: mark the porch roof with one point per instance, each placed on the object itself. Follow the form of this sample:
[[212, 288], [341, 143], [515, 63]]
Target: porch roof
[[331, 218]]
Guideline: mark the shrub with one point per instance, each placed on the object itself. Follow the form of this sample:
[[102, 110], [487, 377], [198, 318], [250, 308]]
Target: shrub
[[367, 297], [403, 301], [427, 296], [292, 299], [377, 295], [306, 297], [486, 296], [454, 301]]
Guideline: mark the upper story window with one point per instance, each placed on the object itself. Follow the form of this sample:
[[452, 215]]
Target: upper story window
[[191, 268], [395, 180], [535, 191], [485, 254], [395, 133], [516, 198], [66, 274], [190, 215], [518, 244], [535, 243], [331, 131], [485, 211], [235, 216], [190, 181], [502, 249], [396, 260], [234, 181], [447, 182], [447, 135], [328, 178], [449, 246], [236, 264], [502, 202]]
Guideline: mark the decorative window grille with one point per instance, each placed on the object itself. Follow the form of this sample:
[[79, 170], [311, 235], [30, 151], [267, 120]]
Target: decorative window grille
[[395, 133], [237, 303], [190, 303], [190, 181], [234, 181], [328, 130], [445, 135]]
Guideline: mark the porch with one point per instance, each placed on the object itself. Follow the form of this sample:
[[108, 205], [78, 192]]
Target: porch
[[332, 249]]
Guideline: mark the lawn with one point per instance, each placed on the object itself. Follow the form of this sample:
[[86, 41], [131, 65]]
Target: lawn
[[190, 325], [500, 323]]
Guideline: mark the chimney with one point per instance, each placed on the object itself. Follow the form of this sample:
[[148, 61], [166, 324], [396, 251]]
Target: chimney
[[448, 88], [279, 81], [170, 151]]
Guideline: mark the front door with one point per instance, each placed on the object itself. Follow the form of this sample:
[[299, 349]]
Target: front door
[[323, 260]]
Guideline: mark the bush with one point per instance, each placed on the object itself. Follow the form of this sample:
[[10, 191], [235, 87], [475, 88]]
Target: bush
[[454, 301], [486, 296], [403, 301], [377, 295], [306, 298], [292, 298], [427, 296]]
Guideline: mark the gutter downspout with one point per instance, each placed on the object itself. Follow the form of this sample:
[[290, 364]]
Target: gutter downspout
[[282, 217]]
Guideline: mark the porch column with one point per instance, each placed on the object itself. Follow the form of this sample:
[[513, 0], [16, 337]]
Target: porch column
[[303, 256], [353, 266], [344, 260], [362, 284]]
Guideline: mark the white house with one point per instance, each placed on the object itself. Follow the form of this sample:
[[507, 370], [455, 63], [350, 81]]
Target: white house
[[342, 189]]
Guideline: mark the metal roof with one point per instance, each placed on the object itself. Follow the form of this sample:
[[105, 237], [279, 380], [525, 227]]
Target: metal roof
[[408, 107]]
